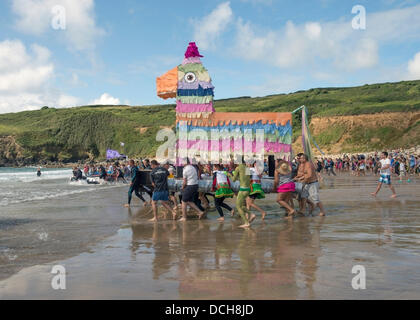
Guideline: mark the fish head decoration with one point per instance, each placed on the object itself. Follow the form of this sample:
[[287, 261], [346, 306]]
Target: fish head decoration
[[190, 84]]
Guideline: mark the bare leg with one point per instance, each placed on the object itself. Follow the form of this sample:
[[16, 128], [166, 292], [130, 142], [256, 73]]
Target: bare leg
[[168, 207], [394, 194], [251, 204], [154, 207], [281, 200], [377, 189], [194, 206], [321, 208], [184, 211]]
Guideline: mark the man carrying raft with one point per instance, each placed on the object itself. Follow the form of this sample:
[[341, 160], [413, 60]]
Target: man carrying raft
[[250, 189]]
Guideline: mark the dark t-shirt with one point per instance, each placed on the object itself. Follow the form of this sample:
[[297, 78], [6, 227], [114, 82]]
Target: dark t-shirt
[[159, 177]]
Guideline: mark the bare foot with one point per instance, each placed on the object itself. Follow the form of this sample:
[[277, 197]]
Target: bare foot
[[174, 214], [221, 219], [126, 206], [322, 214], [245, 226], [263, 215], [252, 218], [393, 196], [232, 213], [153, 220], [182, 219], [201, 215], [373, 194]]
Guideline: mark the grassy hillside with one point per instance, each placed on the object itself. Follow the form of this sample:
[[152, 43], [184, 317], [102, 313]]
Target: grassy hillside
[[82, 132]]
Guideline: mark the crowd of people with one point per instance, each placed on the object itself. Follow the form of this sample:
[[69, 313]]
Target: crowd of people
[[109, 171], [402, 164], [296, 181]]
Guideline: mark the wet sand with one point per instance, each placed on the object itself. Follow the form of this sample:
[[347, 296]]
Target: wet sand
[[114, 253]]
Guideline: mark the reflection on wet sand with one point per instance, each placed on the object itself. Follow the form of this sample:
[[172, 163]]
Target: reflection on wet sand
[[304, 258], [215, 261]]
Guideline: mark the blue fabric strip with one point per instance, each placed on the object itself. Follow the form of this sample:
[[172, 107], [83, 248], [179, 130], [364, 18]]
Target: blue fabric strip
[[268, 128], [200, 92]]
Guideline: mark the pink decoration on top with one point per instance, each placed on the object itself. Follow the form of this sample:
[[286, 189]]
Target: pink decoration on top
[[192, 51]]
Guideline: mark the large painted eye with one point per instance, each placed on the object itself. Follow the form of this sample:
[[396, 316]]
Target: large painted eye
[[190, 77]]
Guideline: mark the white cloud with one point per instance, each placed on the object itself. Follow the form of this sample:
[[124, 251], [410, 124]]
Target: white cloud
[[335, 42], [414, 67], [106, 99], [25, 78], [81, 34], [209, 28], [284, 83], [313, 30]]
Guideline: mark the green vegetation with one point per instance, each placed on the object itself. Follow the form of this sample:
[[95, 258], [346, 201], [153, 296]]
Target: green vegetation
[[86, 132], [332, 135]]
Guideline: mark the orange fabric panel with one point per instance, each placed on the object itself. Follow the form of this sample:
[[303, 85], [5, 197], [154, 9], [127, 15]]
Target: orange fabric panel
[[167, 84], [216, 118]]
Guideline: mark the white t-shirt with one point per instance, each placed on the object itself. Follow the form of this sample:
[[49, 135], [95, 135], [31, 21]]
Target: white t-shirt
[[221, 177], [385, 162], [254, 174], [190, 173], [402, 166]]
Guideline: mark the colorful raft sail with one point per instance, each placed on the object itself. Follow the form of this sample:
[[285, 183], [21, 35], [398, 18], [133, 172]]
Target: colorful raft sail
[[219, 135]]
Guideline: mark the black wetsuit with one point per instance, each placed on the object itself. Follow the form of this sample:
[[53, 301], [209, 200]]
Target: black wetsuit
[[102, 173], [136, 186], [77, 175]]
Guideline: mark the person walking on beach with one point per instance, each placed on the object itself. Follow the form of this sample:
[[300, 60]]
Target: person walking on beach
[[134, 185], [307, 175], [244, 183], [256, 190], [222, 189], [159, 178], [385, 175], [38, 172], [284, 187], [190, 191]]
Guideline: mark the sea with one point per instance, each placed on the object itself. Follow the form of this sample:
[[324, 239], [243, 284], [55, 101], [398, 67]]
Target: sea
[[19, 185]]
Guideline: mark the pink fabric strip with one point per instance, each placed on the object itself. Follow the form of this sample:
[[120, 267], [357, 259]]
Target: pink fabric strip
[[234, 145], [193, 107], [191, 60]]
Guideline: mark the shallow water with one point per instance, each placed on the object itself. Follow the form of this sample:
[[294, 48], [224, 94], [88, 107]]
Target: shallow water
[[110, 252]]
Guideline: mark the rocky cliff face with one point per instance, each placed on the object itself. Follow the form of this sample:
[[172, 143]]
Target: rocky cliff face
[[366, 132], [11, 153]]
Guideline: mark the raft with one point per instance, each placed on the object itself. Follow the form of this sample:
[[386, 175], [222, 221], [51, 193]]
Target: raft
[[175, 185]]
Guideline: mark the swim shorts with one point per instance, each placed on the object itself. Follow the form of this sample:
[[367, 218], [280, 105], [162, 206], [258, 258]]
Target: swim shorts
[[189, 193], [311, 192], [160, 196], [385, 178]]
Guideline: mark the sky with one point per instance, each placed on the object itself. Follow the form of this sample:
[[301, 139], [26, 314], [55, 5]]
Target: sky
[[66, 53]]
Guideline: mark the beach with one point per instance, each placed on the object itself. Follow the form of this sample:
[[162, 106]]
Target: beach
[[110, 252]]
